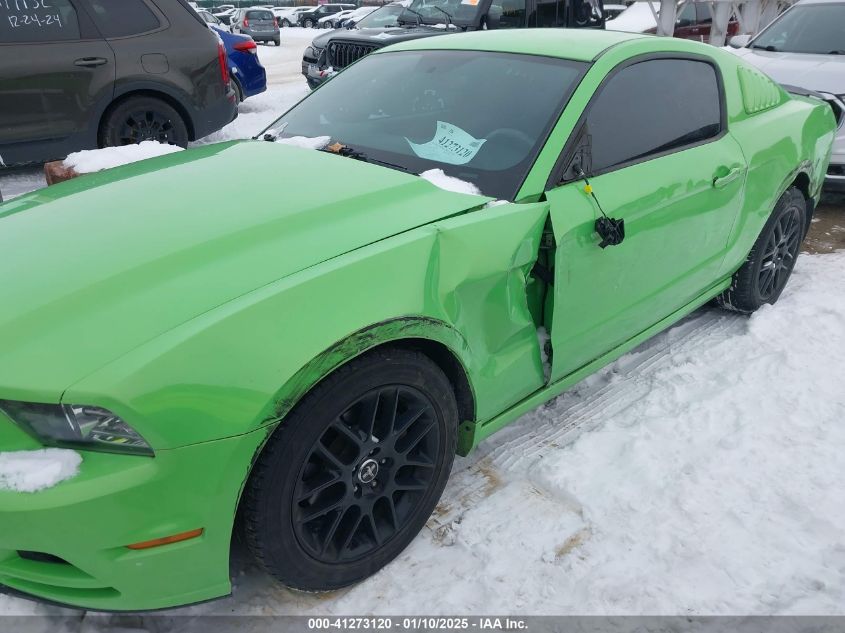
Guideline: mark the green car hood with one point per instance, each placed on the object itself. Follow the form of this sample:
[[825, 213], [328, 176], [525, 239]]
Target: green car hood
[[96, 266]]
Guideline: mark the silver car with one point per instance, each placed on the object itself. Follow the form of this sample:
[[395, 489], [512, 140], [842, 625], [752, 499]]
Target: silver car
[[805, 47], [260, 24]]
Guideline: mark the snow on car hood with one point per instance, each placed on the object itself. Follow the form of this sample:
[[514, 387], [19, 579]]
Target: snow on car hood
[[822, 73], [172, 237]]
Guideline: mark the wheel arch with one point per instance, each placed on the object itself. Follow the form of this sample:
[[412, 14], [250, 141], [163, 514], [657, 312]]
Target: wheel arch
[[441, 343], [436, 339], [169, 99], [803, 183]]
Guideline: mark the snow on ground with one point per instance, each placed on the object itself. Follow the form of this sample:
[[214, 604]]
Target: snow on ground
[[30, 471], [699, 474]]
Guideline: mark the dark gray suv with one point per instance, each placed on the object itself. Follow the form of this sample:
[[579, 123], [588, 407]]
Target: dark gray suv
[[81, 74]]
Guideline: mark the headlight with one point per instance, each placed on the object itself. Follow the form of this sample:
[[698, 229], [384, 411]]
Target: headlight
[[73, 425]]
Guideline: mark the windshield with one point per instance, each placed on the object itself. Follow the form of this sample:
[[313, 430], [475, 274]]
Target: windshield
[[431, 11], [812, 28], [384, 17], [480, 118]]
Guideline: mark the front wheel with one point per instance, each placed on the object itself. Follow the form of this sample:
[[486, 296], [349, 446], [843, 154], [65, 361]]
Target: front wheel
[[352, 475], [763, 276]]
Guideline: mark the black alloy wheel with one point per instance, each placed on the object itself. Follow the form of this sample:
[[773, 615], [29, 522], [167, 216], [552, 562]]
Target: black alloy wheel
[[763, 276], [352, 474], [780, 253], [366, 474]]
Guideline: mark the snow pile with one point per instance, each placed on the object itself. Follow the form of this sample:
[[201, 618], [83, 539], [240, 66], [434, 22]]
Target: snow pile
[[30, 471], [306, 142], [91, 160], [438, 178]]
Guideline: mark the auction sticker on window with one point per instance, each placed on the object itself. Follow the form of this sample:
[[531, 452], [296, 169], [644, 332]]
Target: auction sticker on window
[[450, 145]]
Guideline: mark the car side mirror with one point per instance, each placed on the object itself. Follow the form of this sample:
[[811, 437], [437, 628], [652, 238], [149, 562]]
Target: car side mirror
[[739, 41]]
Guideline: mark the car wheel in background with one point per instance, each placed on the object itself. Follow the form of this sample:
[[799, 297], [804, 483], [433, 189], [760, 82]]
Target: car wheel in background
[[308, 23], [353, 473], [142, 118], [285, 23], [763, 276], [239, 91]]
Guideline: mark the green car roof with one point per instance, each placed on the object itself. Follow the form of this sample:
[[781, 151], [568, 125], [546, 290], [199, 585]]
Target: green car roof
[[577, 44]]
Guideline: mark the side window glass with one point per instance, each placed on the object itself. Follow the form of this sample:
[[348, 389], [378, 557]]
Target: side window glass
[[512, 14], [119, 18], [652, 107], [37, 21]]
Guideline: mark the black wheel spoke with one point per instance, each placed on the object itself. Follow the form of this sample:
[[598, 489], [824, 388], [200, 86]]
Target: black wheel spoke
[[366, 474], [318, 488]]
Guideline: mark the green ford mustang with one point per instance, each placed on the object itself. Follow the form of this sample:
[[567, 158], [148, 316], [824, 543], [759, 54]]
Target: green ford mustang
[[303, 367]]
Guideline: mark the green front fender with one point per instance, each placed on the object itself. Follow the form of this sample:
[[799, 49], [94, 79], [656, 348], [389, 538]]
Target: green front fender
[[460, 282]]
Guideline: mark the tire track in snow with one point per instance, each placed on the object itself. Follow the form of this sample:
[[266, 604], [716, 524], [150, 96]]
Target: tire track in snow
[[556, 424]]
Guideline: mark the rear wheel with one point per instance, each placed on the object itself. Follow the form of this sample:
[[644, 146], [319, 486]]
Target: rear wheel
[[308, 23], [351, 477], [763, 276], [142, 118], [277, 41]]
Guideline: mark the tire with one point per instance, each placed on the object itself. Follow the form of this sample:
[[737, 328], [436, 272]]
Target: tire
[[338, 492], [277, 41], [285, 24], [309, 23], [239, 91], [142, 118], [763, 276]]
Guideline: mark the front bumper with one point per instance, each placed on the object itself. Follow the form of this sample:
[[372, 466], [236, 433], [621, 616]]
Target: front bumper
[[84, 524]]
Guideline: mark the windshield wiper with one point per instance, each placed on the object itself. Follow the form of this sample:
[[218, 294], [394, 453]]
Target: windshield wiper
[[769, 48], [350, 152], [446, 13], [836, 52], [419, 15]]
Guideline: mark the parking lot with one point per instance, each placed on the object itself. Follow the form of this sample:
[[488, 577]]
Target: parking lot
[[632, 492]]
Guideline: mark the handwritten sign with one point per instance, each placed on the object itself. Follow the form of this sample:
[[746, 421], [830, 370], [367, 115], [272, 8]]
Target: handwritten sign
[[36, 20], [450, 145]]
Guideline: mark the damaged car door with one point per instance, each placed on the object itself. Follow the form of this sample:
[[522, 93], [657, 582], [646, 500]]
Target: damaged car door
[[608, 289]]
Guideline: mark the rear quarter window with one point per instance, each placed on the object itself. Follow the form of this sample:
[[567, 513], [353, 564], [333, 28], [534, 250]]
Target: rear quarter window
[[121, 18], [669, 104]]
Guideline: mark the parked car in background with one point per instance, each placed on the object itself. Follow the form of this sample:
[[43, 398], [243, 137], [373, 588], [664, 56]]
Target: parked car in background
[[308, 19], [224, 15], [693, 21], [245, 70], [401, 22], [805, 47], [287, 16], [246, 399], [333, 21], [353, 18], [109, 72], [260, 24]]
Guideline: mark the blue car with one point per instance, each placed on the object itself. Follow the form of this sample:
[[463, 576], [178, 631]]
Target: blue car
[[246, 71]]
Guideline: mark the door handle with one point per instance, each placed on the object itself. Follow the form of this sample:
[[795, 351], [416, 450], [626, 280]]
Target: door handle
[[90, 62], [723, 181]]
